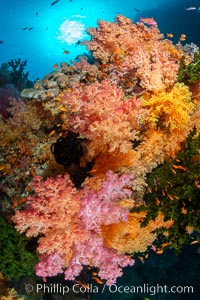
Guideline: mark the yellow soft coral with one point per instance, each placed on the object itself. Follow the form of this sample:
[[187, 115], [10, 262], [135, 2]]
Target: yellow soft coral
[[12, 295], [130, 237], [170, 109], [6, 293]]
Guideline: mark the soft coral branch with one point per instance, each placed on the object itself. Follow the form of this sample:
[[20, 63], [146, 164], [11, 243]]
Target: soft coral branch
[[96, 108], [70, 222], [94, 253], [51, 211], [100, 208], [127, 46]]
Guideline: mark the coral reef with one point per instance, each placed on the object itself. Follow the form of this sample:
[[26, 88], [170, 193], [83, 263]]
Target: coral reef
[[135, 46], [100, 159]]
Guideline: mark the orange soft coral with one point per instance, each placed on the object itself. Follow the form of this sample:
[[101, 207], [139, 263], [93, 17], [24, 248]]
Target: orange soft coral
[[130, 237]]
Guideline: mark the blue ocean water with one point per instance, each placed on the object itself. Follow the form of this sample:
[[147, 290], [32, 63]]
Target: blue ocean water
[[33, 30]]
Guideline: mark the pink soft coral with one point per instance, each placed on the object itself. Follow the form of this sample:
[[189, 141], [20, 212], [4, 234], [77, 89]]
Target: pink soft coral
[[71, 221], [94, 253], [100, 208], [50, 265], [95, 109], [127, 47], [51, 212]]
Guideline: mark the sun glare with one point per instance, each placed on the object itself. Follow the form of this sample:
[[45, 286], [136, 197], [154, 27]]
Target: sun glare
[[71, 31]]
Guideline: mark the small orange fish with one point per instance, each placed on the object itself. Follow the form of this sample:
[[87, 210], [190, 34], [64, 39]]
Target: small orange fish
[[147, 36], [182, 37], [165, 244], [173, 171], [170, 197], [92, 171], [98, 280], [117, 52], [170, 35], [157, 201], [129, 84], [65, 52], [94, 273], [179, 167], [55, 66], [52, 132], [29, 187], [183, 211], [12, 160], [32, 171], [194, 242], [14, 202], [2, 167], [148, 21], [63, 109], [104, 75], [141, 259], [83, 284], [159, 252], [195, 101], [169, 183]]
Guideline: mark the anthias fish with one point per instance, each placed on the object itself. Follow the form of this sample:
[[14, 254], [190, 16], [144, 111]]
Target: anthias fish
[[148, 21]]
